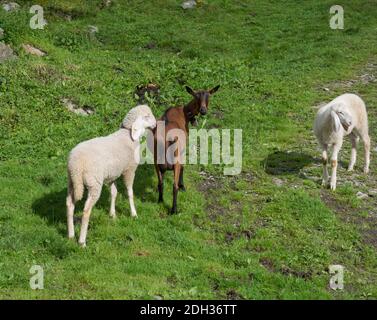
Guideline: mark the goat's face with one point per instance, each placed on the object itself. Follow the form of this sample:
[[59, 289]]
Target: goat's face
[[202, 99]]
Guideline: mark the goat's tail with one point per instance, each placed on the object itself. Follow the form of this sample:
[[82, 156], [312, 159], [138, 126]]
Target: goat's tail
[[77, 183]]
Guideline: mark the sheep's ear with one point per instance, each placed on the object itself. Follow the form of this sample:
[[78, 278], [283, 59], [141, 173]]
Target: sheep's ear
[[213, 90], [137, 129], [190, 91], [335, 121]]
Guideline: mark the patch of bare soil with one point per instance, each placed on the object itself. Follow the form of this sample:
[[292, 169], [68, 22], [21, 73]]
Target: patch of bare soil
[[268, 264], [231, 236], [234, 295], [366, 76], [366, 225], [284, 270], [47, 74]]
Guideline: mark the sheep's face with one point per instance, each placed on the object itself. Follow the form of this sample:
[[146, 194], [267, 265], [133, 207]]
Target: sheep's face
[[202, 99], [344, 117], [145, 120], [149, 121]]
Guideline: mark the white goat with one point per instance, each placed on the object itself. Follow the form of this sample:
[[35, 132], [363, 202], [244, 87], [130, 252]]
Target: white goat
[[345, 115], [102, 160]]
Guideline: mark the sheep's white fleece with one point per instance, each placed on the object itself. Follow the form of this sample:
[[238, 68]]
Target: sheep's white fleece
[[104, 159], [345, 115], [324, 127]]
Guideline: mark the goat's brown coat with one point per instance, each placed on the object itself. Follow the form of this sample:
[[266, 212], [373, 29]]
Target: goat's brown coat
[[178, 118]]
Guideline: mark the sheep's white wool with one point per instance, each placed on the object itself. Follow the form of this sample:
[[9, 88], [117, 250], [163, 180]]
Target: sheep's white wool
[[345, 115], [102, 160], [130, 118]]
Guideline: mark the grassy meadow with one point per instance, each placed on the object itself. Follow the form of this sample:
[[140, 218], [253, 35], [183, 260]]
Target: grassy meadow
[[270, 232]]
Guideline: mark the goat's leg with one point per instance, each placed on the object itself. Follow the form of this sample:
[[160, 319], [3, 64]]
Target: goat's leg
[[334, 165], [70, 202], [325, 173], [114, 192], [181, 185], [177, 170], [366, 141], [160, 177], [94, 193], [354, 141], [129, 176]]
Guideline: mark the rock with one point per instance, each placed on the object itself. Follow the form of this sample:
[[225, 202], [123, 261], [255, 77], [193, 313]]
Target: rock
[[6, 52], [278, 182], [32, 50], [189, 4], [361, 195], [73, 107], [105, 3], [11, 6], [92, 29], [372, 192], [326, 89], [1, 33]]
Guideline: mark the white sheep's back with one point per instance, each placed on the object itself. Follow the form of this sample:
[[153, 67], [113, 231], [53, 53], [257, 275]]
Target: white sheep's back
[[103, 157]]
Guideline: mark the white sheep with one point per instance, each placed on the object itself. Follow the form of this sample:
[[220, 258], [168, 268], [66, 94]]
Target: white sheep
[[345, 115], [102, 160]]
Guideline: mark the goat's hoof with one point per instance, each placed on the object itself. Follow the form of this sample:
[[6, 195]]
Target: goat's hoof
[[333, 187], [173, 211], [366, 170], [350, 169], [182, 188], [134, 216], [160, 200], [71, 238], [82, 244]]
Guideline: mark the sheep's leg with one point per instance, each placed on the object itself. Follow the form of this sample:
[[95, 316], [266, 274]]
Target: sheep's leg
[[177, 170], [354, 141], [129, 176], [181, 185], [70, 211], [93, 196], [366, 141], [334, 165], [325, 174], [114, 192], [160, 177]]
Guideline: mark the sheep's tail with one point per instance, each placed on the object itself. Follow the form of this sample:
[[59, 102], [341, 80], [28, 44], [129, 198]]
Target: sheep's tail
[[78, 184]]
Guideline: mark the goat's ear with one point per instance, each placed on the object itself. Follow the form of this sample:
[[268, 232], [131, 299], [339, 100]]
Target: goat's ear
[[335, 121], [213, 90], [137, 129], [190, 91]]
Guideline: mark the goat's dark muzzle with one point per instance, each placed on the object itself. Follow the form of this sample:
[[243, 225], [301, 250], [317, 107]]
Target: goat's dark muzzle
[[203, 111]]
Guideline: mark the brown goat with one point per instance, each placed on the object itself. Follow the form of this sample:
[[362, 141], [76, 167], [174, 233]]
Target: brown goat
[[178, 118]]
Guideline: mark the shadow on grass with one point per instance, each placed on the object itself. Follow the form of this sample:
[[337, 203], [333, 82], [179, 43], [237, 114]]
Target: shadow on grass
[[52, 206], [281, 162]]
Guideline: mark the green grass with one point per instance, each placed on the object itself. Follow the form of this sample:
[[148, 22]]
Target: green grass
[[235, 237]]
